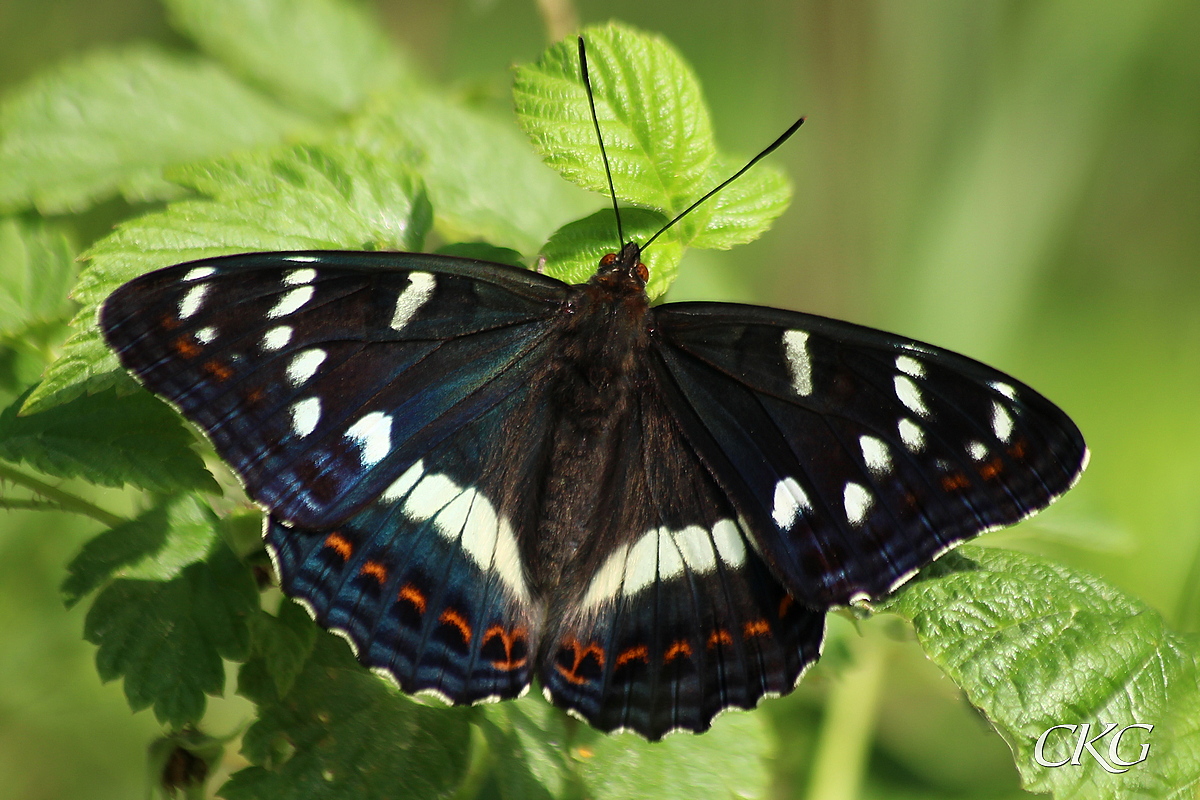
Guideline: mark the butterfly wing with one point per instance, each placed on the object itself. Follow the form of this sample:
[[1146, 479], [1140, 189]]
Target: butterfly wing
[[680, 618], [317, 376], [370, 401], [855, 457]]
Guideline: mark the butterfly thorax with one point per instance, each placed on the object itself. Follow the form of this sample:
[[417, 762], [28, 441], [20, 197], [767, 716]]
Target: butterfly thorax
[[597, 375]]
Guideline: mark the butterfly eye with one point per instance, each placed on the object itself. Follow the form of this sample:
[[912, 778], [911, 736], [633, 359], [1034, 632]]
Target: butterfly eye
[[608, 260], [642, 272]]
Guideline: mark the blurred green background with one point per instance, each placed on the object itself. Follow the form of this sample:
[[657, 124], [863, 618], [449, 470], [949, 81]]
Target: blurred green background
[[1019, 181]]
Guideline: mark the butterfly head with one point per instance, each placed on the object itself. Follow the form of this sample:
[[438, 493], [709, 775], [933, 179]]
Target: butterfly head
[[623, 270]]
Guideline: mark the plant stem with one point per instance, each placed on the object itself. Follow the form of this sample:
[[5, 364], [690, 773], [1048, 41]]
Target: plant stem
[[560, 18], [64, 501], [844, 741]]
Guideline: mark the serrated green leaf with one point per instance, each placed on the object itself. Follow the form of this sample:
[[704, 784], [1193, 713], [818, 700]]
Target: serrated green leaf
[[37, 266], [321, 56], [343, 733], [483, 180], [652, 115], [743, 210], [111, 122], [279, 647], [167, 639], [1035, 644], [107, 439], [305, 197], [156, 546], [574, 251], [727, 761], [528, 739]]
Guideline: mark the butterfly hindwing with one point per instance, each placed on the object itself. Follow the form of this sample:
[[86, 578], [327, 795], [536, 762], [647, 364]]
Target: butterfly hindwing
[[854, 455], [681, 619], [427, 581], [315, 374]]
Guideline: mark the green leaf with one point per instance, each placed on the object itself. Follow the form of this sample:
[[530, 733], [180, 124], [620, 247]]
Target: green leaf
[[107, 439], [343, 733], [574, 251], [37, 267], [528, 740], [1035, 644], [743, 210], [483, 180], [111, 122], [156, 546], [652, 115], [321, 56], [167, 639], [727, 761], [279, 647], [482, 251], [331, 196]]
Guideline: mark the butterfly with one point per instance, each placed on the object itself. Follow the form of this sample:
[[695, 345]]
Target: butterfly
[[480, 475]]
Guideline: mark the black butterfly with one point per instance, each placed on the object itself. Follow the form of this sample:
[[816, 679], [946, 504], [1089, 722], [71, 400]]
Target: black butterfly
[[478, 474]]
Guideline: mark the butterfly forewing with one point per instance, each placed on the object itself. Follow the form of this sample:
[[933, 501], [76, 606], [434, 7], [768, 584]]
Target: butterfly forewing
[[321, 377], [854, 455]]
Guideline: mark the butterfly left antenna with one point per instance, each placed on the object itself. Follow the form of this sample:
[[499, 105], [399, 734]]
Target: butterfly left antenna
[[612, 191]]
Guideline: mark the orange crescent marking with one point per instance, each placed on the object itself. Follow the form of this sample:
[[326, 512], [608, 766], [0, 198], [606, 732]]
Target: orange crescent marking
[[411, 594], [168, 323], [1018, 449], [992, 468], [185, 347], [677, 650], [719, 636], [507, 639], [955, 481], [340, 545], [638, 653], [757, 627], [579, 653], [375, 570], [218, 370], [785, 604], [452, 617]]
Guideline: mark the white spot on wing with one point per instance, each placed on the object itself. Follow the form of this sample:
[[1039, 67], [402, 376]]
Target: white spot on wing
[[298, 277], [1004, 389], [400, 487], [301, 258], [795, 349], [416, 294], [642, 565], [728, 540], [910, 366], [306, 414], [910, 395], [304, 365], [291, 302], [670, 562], [606, 583], [198, 273], [206, 335], [876, 454], [192, 301], [696, 548], [977, 450], [277, 337], [858, 502], [1002, 422], [789, 500], [912, 435], [373, 435]]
